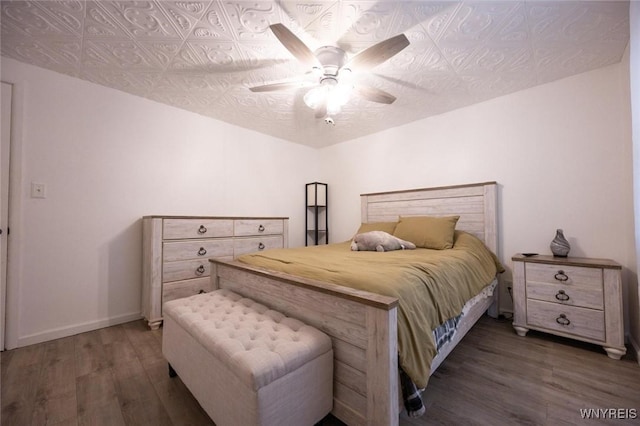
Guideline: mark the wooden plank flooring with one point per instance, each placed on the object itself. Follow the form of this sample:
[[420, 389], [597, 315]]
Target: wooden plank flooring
[[117, 376]]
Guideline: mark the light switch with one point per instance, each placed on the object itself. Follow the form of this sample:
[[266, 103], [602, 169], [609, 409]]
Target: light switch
[[38, 190]]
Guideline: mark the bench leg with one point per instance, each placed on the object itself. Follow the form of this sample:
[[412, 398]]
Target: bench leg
[[172, 372]]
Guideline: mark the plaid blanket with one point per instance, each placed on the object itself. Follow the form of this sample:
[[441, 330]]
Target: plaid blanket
[[444, 333], [411, 395]]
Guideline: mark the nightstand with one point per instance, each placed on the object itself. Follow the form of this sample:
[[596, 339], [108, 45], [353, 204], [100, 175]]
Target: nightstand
[[574, 297]]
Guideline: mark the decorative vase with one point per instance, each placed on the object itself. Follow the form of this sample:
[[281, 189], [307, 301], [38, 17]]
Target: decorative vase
[[559, 245]]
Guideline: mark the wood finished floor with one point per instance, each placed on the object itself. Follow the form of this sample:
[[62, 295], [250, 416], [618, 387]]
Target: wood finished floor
[[117, 376]]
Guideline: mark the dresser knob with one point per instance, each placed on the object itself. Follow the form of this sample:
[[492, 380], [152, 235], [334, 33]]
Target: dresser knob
[[202, 229], [562, 296], [561, 276], [260, 246], [202, 251], [200, 270], [260, 228], [563, 320]]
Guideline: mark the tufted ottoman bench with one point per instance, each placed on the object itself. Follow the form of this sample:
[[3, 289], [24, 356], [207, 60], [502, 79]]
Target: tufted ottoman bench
[[246, 364]]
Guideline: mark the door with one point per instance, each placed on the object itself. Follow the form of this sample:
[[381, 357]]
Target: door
[[5, 138]]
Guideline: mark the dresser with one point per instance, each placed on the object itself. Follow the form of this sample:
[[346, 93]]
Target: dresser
[[579, 298], [176, 250]]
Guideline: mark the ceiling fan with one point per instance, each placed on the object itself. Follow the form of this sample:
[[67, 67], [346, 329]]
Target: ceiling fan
[[332, 72]]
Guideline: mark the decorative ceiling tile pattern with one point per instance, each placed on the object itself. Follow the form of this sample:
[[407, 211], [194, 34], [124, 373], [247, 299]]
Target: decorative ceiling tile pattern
[[203, 56]]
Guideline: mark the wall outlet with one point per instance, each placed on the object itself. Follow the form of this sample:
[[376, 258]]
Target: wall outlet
[[38, 190], [506, 296], [508, 285]]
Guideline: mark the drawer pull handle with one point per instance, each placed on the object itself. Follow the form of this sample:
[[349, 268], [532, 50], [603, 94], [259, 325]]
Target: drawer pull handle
[[260, 246], [202, 229], [200, 270], [202, 251], [260, 228], [563, 320], [562, 296], [561, 276]]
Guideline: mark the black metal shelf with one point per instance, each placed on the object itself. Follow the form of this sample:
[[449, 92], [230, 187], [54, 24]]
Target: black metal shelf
[[316, 215]]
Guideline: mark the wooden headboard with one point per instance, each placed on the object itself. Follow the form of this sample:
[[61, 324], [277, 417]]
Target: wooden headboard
[[476, 204]]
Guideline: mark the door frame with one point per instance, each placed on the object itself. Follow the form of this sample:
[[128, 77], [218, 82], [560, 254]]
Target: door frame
[[5, 164], [11, 308]]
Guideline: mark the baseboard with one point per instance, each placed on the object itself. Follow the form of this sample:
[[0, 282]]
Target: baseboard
[[72, 330]]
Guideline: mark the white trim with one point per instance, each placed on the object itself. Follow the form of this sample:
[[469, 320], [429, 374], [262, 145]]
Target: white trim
[[14, 250], [5, 155], [72, 330]]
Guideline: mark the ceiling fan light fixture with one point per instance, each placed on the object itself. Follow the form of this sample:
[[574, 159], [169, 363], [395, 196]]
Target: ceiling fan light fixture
[[333, 108], [338, 97], [316, 96], [341, 93], [331, 93]]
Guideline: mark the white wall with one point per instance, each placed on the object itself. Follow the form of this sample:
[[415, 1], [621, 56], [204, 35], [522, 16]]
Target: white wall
[[634, 70], [108, 158], [560, 152]]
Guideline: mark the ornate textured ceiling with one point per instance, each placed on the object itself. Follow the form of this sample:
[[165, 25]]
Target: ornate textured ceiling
[[203, 56]]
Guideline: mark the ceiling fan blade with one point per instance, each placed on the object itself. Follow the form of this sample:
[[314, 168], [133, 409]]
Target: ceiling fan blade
[[375, 95], [404, 83], [378, 53], [279, 86], [294, 45]]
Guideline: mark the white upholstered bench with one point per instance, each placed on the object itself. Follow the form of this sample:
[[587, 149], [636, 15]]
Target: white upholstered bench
[[246, 364]]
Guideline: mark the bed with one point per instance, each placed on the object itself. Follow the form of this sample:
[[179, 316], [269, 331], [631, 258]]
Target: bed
[[363, 325]]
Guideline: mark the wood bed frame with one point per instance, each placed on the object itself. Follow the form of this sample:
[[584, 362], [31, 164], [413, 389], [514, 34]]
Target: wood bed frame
[[363, 325]]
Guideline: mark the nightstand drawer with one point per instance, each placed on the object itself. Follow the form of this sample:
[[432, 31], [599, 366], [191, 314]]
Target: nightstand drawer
[[564, 274], [583, 322], [566, 294]]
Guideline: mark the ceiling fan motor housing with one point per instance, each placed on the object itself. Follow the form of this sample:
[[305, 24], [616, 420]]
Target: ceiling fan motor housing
[[332, 59]]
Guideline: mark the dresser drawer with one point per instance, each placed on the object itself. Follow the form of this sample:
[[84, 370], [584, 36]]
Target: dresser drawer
[[250, 227], [184, 270], [197, 249], [177, 229], [562, 274], [250, 245], [582, 322], [180, 289], [566, 294]]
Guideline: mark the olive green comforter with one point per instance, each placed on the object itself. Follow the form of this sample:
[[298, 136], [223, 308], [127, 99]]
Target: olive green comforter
[[431, 285]]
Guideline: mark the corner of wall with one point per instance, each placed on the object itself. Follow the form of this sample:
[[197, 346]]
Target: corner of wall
[[634, 94], [635, 346]]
